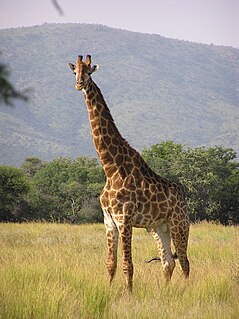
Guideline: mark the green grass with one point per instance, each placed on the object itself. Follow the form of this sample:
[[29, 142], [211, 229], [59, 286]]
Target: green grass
[[58, 271]]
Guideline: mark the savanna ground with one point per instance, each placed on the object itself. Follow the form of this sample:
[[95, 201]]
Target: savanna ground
[[58, 271]]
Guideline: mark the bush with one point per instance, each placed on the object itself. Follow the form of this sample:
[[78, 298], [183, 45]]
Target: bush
[[14, 184]]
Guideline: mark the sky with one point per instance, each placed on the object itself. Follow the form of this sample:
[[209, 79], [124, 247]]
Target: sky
[[203, 21]]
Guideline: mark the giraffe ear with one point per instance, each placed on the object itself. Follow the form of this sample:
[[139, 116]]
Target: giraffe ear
[[72, 67], [94, 68]]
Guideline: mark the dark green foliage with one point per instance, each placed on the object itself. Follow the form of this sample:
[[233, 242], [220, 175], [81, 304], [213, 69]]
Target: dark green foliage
[[210, 178], [13, 186], [156, 88], [61, 190], [7, 90], [68, 190], [63, 186], [163, 158], [228, 195], [32, 165], [90, 212]]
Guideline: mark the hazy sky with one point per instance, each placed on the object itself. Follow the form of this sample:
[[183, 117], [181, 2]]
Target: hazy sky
[[206, 21]]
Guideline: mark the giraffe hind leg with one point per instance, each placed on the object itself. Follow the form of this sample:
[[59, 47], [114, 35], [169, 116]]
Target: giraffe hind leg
[[180, 236], [163, 239]]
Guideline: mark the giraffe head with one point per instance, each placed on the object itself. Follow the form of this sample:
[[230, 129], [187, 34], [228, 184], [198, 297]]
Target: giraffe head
[[82, 71]]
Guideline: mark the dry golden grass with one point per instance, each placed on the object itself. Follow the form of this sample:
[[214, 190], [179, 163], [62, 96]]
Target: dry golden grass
[[58, 271]]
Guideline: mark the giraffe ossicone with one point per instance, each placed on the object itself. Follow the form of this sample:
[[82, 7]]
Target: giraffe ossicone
[[134, 195]]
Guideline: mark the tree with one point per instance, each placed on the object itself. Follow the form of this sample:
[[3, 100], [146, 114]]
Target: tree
[[228, 195], [32, 165], [209, 176], [90, 212], [164, 158], [13, 186], [204, 173], [67, 185]]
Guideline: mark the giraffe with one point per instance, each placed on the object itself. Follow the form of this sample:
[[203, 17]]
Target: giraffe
[[134, 195]]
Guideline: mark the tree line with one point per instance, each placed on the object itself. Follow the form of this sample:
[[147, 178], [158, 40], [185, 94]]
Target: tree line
[[68, 189]]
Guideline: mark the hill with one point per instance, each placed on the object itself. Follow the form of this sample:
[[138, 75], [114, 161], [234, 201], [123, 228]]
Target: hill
[[156, 88]]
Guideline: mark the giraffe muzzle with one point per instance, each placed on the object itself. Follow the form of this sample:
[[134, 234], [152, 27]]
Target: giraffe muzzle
[[78, 87]]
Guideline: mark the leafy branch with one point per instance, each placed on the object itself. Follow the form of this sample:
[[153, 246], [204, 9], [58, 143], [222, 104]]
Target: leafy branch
[[7, 90]]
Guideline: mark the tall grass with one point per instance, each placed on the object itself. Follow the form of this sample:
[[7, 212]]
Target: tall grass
[[58, 271]]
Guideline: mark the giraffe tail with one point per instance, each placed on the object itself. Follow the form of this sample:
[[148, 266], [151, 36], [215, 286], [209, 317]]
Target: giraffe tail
[[175, 256]]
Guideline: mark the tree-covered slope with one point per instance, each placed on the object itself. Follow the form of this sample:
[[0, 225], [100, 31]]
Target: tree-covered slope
[[156, 88]]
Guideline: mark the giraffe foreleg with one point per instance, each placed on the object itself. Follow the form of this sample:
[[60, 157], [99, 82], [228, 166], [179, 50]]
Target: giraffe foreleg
[[112, 236], [125, 230]]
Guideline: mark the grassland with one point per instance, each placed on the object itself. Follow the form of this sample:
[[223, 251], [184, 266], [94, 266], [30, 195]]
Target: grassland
[[58, 271]]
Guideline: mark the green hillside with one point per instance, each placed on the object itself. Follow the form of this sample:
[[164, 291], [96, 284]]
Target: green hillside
[[157, 89]]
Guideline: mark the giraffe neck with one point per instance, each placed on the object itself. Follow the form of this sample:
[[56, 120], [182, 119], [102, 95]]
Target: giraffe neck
[[109, 143]]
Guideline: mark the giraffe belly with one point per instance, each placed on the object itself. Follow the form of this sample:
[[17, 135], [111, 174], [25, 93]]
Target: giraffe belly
[[150, 214], [147, 209]]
